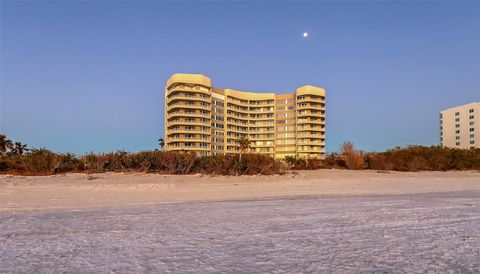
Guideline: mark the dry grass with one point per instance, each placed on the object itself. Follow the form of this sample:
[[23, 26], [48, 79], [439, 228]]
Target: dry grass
[[354, 159]]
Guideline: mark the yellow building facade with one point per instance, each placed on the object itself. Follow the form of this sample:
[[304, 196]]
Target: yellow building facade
[[207, 120]]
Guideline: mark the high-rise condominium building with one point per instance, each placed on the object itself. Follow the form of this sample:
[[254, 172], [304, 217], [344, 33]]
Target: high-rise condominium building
[[460, 126], [202, 118]]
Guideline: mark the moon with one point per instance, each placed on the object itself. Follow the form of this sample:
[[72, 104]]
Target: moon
[[305, 34]]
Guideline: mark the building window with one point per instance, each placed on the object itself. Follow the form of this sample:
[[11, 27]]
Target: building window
[[457, 143], [457, 131], [471, 111], [472, 123], [457, 137], [472, 135], [472, 129], [472, 142], [457, 113], [471, 117], [457, 125], [457, 119]]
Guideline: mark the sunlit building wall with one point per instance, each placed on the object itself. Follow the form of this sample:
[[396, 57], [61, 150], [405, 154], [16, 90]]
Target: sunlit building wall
[[460, 126]]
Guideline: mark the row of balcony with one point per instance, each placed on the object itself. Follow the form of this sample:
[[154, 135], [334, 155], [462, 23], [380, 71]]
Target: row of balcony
[[194, 123], [174, 147], [310, 128], [310, 113], [202, 106], [187, 114], [185, 88], [310, 121], [187, 98], [310, 99]]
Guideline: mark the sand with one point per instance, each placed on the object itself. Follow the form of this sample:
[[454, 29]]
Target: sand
[[310, 222], [405, 233], [73, 191]]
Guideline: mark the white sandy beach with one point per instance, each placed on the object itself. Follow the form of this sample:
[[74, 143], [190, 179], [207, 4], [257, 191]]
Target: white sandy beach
[[309, 222], [70, 191]]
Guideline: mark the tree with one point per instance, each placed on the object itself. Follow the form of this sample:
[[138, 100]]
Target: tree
[[5, 143], [161, 142], [19, 148], [244, 144]]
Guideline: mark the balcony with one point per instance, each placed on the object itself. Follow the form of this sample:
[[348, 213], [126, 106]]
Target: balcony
[[261, 125], [187, 106], [310, 113], [173, 98], [309, 106], [237, 130], [261, 138], [306, 99], [262, 104], [316, 149], [183, 114], [310, 143], [183, 88], [237, 109], [188, 123], [189, 131], [238, 117], [237, 103], [309, 128], [187, 148], [315, 136], [310, 121], [237, 123], [188, 139], [262, 118], [261, 110]]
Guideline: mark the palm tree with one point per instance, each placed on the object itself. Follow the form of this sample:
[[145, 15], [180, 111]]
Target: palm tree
[[161, 142], [19, 148], [5, 143], [244, 144]]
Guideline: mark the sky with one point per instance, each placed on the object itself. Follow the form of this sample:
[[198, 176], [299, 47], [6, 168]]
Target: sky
[[85, 76]]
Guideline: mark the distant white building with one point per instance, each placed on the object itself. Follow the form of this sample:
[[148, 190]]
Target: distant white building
[[460, 126]]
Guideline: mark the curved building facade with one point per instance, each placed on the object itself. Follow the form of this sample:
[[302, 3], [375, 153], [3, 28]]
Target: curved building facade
[[207, 120]]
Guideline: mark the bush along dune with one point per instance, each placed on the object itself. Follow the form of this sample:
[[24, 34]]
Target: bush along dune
[[16, 158]]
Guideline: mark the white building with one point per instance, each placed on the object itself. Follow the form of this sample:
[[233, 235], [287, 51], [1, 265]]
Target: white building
[[460, 126]]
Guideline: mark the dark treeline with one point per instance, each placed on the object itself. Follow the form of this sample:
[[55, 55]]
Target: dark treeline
[[18, 159]]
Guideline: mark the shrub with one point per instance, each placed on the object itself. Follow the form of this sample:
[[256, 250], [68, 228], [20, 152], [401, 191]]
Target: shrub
[[352, 157], [296, 163], [66, 162], [249, 164], [39, 161], [412, 158], [377, 161], [92, 163]]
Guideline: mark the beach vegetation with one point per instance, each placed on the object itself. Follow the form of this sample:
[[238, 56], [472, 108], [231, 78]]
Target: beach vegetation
[[17, 158]]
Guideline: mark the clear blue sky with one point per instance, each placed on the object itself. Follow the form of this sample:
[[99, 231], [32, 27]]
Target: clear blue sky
[[89, 75]]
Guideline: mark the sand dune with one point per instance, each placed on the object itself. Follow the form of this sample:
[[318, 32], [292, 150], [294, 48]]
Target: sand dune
[[71, 191]]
